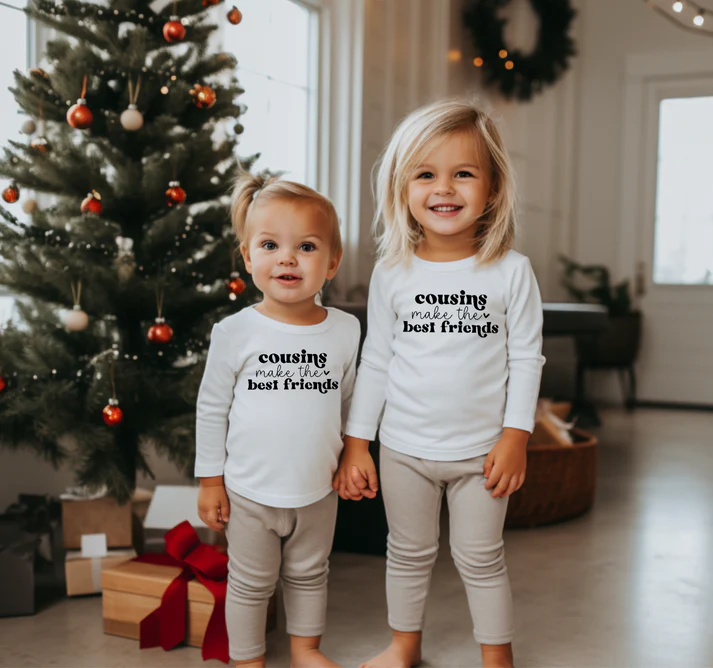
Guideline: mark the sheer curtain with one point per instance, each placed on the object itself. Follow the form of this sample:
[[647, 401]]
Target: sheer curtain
[[276, 46]]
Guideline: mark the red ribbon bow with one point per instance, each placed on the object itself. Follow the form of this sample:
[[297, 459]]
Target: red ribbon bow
[[166, 626]]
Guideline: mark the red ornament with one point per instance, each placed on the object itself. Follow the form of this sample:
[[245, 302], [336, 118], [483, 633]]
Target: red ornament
[[235, 16], [174, 31], [175, 194], [236, 285], [160, 332], [210, 3], [3, 384], [204, 97], [92, 203], [40, 144], [112, 414], [79, 116], [11, 194]]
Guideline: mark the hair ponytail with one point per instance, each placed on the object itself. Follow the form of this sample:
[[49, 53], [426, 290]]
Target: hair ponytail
[[246, 189]]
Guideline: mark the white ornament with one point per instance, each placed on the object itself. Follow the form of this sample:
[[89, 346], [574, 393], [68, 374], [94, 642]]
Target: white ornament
[[125, 262], [29, 206], [29, 127], [131, 119], [76, 320]]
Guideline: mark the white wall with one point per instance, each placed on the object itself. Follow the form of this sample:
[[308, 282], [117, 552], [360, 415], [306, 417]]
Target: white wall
[[405, 46], [567, 144]]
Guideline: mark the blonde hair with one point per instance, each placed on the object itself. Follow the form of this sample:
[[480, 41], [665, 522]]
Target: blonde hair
[[252, 188], [411, 142]]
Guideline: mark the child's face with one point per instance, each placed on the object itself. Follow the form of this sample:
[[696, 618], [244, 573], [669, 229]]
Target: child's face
[[289, 251], [449, 190]]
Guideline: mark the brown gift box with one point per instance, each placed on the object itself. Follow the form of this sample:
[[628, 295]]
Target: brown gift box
[[104, 515], [133, 590], [83, 574]]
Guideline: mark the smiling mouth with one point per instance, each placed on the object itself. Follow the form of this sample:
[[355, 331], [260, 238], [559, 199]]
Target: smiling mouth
[[445, 208]]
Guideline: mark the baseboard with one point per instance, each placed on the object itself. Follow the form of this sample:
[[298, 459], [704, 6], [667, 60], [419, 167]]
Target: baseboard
[[672, 405]]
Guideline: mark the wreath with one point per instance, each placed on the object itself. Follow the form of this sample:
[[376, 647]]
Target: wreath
[[516, 74]]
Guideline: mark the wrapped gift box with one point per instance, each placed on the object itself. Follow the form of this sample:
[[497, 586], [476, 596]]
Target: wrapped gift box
[[122, 524], [169, 505], [92, 516], [17, 570], [83, 574], [133, 590]]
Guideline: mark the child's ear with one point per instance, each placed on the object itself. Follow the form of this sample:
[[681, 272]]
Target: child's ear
[[334, 265], [245, 252]]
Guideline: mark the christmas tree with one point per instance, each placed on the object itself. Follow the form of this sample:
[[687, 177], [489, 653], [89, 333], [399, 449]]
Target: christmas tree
[[124, 179]]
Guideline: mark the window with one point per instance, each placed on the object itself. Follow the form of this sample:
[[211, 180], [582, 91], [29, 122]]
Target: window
[[14, 49], [683, 251], [14, 56], [276, 46]]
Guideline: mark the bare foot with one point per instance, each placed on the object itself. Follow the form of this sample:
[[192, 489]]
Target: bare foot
[[403, 652], [252, 663], [497, 656], [311, 658]]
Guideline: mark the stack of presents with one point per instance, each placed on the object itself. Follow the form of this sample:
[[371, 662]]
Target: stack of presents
[[161, 573]]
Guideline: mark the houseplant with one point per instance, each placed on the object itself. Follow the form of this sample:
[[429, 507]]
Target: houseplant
[[616, 347]]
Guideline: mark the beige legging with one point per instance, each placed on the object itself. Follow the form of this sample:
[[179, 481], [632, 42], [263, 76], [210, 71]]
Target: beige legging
[[413, 490], [265, 544]]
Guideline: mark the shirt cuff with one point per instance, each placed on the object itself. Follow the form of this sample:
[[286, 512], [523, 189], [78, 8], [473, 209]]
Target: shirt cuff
[[526, 423], [208, 470], [360, 431]]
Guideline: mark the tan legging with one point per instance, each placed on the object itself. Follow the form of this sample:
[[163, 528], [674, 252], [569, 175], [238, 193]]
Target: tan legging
[[265, 544], [413, 490]]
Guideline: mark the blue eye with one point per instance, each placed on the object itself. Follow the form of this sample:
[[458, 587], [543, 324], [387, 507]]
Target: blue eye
[[269, 245], [463, 172], [425, 175], [307, 247]]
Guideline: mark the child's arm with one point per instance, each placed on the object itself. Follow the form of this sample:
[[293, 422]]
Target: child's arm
[[372, 377], [213, 503], [356, 476], [505, 464], [523, 322], [212, 410]]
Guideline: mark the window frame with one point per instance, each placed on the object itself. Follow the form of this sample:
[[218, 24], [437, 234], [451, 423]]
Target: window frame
[[334, 153]]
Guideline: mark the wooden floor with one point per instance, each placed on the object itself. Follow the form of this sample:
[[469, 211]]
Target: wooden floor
[[628, 585]]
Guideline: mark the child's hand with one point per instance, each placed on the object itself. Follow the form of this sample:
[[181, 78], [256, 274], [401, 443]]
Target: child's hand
[[506, 462], [356, 476], [213, 503]]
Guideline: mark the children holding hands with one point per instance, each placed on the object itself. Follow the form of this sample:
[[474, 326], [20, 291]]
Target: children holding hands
[[450, 374]]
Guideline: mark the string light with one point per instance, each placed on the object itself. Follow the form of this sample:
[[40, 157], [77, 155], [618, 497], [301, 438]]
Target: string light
[[681, 12]]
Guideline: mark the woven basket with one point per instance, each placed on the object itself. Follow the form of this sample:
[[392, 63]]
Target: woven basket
[[559, 485]]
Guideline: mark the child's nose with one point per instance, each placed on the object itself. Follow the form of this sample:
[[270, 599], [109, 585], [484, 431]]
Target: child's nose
[[287, 258], [443, 187]]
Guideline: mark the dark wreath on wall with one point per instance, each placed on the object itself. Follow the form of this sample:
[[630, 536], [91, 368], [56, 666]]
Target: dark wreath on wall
[[518, 75]]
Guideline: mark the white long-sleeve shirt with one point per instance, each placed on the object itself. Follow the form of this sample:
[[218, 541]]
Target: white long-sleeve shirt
[[272, 405], [453, 354]]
